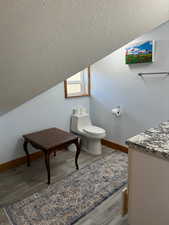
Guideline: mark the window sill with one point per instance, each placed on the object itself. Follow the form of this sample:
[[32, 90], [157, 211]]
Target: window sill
[[77, 96]]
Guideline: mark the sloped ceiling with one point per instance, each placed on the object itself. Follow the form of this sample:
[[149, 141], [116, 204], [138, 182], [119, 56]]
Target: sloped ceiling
[[42, 42]]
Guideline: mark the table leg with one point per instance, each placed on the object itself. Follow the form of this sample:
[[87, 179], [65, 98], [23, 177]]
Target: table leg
[[47, 163], [77, 154], [25, 147]]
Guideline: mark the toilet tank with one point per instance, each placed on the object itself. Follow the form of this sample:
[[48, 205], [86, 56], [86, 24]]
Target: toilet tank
[[79, 121]]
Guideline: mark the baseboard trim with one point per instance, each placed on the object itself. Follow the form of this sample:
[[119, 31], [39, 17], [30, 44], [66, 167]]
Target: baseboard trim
[[113, 145], [19, 161], [36, 155], [125, 202]]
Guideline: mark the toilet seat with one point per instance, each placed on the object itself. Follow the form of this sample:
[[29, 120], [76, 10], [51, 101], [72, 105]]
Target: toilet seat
[[93, 130]]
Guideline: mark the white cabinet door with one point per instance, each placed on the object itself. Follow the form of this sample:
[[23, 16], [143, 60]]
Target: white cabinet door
[[148, 189]]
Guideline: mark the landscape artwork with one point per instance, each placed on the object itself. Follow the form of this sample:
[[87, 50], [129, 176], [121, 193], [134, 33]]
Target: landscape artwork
[[140, 53]]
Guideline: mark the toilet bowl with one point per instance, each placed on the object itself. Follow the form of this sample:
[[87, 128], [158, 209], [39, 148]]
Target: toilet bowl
[[90, 135]]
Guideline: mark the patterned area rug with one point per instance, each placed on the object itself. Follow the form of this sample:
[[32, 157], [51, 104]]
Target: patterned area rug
[[66, 201]]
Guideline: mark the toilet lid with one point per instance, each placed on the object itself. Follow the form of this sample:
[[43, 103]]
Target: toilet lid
[[94, 130]]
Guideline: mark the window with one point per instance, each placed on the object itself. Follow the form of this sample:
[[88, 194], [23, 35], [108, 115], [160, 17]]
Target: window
[[78, 85]]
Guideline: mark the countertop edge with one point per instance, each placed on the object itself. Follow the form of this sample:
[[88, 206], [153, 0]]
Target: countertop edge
[[151, 152]]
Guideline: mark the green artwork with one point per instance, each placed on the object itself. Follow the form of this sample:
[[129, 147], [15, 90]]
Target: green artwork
[[140, 53]]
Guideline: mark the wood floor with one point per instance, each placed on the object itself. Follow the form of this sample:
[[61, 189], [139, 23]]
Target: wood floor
[[20, 182]]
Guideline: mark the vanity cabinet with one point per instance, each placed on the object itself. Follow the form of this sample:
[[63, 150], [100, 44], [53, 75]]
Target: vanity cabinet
[[148, 189], [149, 177]]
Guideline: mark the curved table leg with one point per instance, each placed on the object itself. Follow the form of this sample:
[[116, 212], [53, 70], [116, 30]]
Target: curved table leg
[[47, 163], [25, 147], [77, 153]]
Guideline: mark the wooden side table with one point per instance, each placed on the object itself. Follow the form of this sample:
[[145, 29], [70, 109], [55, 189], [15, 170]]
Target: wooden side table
[[48, 141]]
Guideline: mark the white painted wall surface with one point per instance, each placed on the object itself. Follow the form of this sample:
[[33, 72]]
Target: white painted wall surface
[[145, 101], [49, 109]]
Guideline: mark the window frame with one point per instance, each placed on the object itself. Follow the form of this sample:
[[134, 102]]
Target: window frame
[[73, 82]]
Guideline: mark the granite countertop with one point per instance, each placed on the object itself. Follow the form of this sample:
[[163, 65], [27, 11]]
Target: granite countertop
[[154, 141]]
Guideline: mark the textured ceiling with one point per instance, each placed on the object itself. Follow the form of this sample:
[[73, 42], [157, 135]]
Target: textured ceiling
[[44, 41]]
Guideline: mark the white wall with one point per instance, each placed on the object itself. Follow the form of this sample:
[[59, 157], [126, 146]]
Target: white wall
[[49, 109], [145, 101]]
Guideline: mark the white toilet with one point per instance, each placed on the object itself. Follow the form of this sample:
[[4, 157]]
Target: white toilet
[[90, 135]]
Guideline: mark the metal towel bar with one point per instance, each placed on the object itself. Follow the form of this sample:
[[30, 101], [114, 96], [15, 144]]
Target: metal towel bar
[[156, 73]]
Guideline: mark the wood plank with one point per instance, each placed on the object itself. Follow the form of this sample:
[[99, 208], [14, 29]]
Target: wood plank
[[36, 155], [114, 145], [19, 161], [125, 202]]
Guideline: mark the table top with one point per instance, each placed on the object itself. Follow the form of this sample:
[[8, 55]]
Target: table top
[[50, 138]]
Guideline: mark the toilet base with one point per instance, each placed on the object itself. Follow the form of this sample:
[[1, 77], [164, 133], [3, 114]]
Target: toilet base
[[91, 145]]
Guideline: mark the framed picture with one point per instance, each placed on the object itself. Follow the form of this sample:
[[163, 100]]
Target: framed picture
[[142, 52]]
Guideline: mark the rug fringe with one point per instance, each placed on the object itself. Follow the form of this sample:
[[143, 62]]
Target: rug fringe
[[9, 220]]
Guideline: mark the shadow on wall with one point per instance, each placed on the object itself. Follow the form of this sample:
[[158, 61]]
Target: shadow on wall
[[117, 129], [144, 99], [139, 66], [18, 148]]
